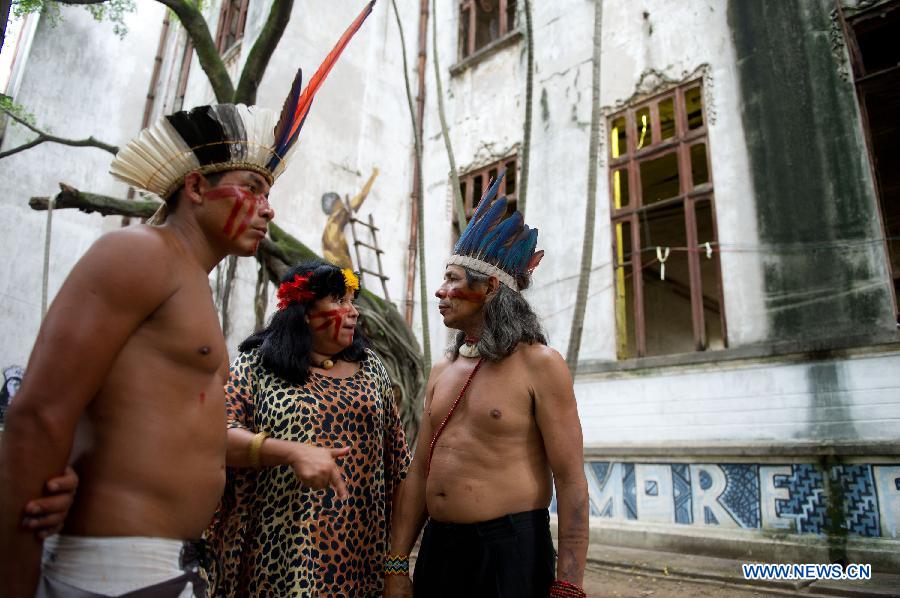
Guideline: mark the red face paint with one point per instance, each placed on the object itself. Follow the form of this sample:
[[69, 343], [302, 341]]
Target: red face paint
[[332, 317], [467, 295], [242, 198], [202, 397]]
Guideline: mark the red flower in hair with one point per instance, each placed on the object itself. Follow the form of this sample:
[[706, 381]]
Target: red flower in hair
[[294, 291]]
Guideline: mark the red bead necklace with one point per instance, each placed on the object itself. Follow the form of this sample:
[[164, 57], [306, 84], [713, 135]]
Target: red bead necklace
[[443, 425]]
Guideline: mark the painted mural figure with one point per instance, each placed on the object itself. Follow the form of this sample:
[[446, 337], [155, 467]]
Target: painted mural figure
[[125, 379], [334, 244], [12, 379], [308, 379], [500, 416]]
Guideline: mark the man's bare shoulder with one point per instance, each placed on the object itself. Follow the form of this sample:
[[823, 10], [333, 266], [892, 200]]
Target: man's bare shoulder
[[438, 368], [134, 261], [539, 355]]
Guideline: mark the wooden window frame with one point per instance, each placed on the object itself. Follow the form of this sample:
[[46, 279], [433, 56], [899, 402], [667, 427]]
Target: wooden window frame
[[184, 71], [630, 158], [468, 23], [471, 195], [226, 14]]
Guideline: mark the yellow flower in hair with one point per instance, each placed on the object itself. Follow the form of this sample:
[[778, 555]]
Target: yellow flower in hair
[[351, 282]]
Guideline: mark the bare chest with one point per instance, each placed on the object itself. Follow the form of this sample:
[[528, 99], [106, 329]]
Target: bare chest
[[495, 403], [186, 329]]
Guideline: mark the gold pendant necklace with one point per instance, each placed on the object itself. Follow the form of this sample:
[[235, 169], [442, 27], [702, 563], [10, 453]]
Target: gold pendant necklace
[[327, 364]]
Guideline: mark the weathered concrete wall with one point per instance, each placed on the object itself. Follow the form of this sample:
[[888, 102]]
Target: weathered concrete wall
[[79, 80], [825, 271], [744, 403], [646, 46]]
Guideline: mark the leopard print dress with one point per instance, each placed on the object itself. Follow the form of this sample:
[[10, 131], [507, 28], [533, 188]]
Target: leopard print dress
[[273, 536]]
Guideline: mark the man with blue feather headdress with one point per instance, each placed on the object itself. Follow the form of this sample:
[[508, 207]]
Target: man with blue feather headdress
[[500, 428]]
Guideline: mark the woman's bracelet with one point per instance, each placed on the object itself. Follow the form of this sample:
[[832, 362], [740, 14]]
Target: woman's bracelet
[[254, 449], [396, 564], [564, 589]]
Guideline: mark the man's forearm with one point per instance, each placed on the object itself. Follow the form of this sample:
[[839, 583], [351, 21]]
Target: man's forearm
[[27, 459], [572, 512], [408, 513]]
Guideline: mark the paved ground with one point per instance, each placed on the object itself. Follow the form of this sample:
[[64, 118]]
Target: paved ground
[[616, 572], [625, 583]]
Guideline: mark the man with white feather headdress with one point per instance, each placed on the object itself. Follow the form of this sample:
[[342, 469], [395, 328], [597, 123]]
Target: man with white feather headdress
[[126, 376]]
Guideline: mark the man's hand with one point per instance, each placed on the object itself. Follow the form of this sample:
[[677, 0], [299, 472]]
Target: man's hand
[[45, 515], [315, 467], [398, 586]]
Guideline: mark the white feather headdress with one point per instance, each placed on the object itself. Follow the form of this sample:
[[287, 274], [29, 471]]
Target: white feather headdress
[[223, 137]]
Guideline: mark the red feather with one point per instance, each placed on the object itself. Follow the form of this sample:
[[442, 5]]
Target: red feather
[[306, 98]]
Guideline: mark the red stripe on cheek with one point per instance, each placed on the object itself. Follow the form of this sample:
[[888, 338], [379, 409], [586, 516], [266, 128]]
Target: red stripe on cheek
[[231, 217], [241, 197], [470, 296], [247, 218], [333, 317]]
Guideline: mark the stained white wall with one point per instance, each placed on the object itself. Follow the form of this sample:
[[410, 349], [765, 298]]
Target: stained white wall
[[853, 399], [79, 80], [485, 109]]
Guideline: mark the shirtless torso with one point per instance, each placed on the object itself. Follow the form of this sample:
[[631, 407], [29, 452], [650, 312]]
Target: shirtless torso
[[514, 434], [163, 393], [126, 380], [490, 460]]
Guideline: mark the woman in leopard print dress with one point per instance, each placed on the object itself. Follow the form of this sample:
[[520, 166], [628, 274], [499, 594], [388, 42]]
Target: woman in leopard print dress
[[306, 381]]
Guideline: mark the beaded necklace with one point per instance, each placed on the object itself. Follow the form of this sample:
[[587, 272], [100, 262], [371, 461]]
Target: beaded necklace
[[443, 425]]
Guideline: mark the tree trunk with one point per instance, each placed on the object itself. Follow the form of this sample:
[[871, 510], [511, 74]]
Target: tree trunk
[[419, 192], [587, 248], [458, 205], [4, 15], [526, 127]]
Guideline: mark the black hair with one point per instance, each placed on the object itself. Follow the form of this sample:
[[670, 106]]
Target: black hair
[[285, 344], [508, 321]]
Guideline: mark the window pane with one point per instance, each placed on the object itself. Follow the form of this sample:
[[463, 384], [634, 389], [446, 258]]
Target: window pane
[[694, 106], [467, 201], [618, 139], [510, 178], [463, 32], [699, 166], [709, 276], [625, 341], [642, 125], [510, 15], [477, 192], [487, 22], [620, 188], [659, 178], [667, 302], [667, 118]]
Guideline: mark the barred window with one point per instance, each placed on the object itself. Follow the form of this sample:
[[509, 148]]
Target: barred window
[[668, 296], [482, 22], [232, 19]]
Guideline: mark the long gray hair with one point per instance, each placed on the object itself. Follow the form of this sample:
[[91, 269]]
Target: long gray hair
[[508, 321]]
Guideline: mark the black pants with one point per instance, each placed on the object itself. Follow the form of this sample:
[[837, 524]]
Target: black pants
[[507, 557]]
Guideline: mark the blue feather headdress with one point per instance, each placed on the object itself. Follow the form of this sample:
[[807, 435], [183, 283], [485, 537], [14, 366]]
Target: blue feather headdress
[[496, 245], [223, 137]]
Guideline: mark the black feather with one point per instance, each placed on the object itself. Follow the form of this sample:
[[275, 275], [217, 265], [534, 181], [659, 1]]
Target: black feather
[[203, 134]]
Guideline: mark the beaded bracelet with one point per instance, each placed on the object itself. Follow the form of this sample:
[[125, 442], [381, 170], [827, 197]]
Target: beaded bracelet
[[254, 449], [564, 589], [396, 564]]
